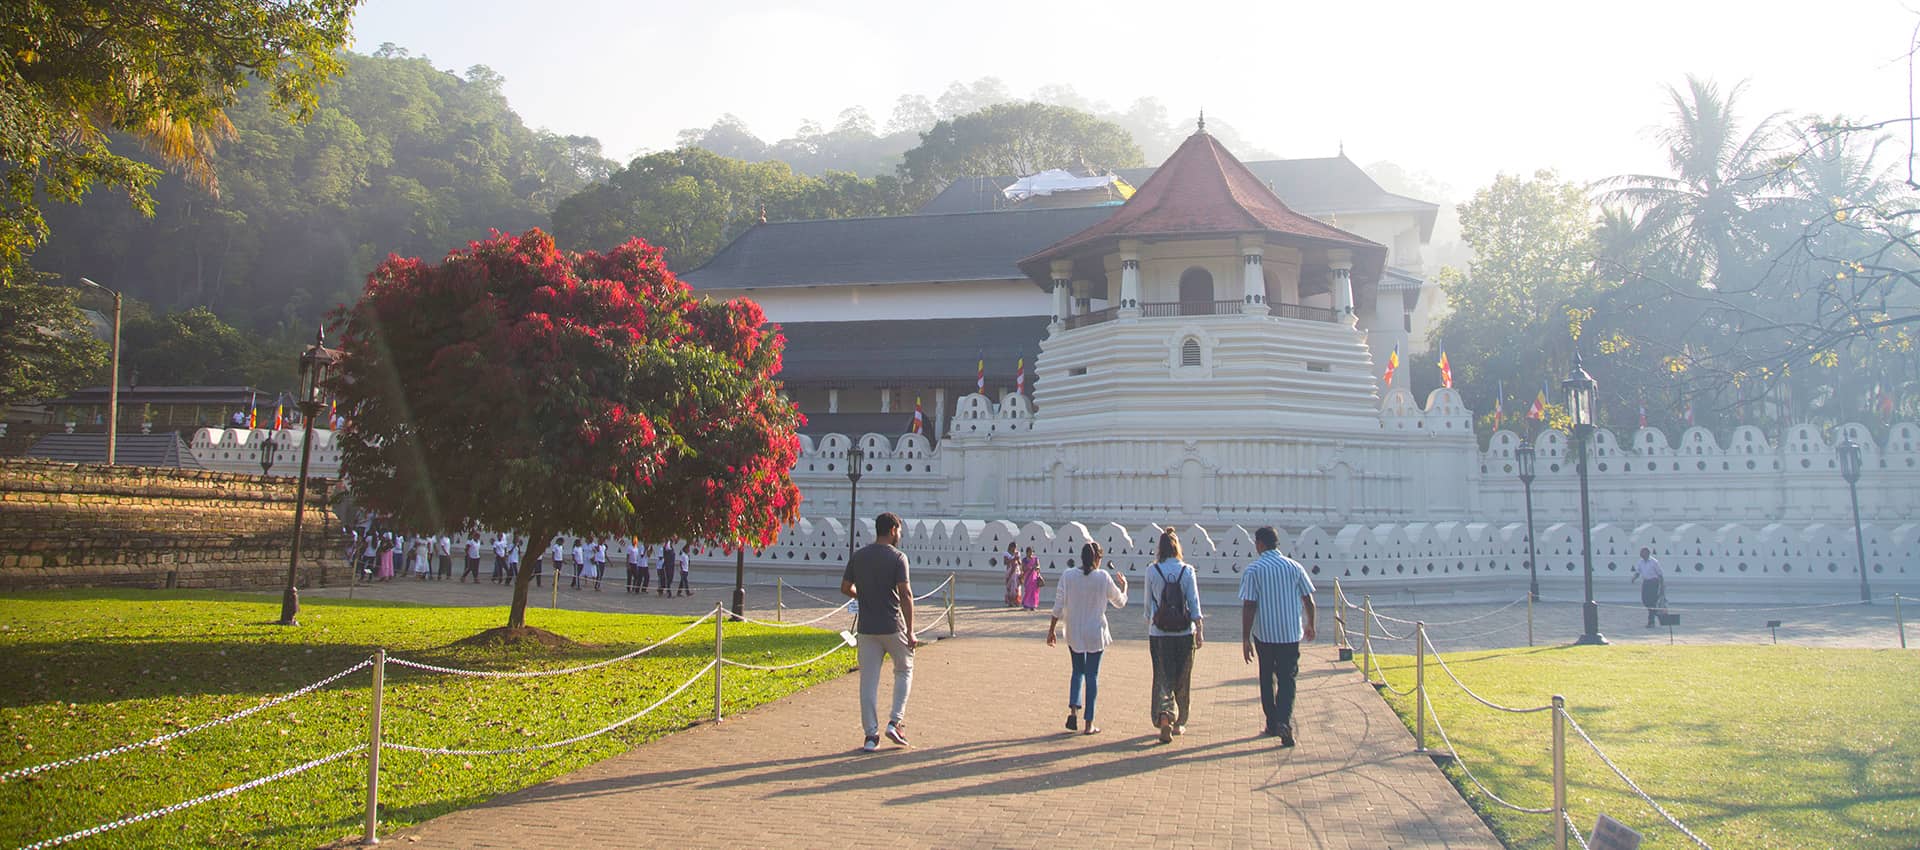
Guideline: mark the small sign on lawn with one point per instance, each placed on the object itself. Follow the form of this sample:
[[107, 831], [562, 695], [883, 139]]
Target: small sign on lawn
[[1610, 834]]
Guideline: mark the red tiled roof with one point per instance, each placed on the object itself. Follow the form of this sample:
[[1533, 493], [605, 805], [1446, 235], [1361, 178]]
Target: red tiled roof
[[1203, 190]]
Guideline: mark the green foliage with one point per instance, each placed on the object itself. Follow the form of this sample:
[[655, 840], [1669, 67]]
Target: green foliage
[[1016, 139], [692, 202], [1533, 239], [161, 71], [195, 348], [47, 348], [397, 157], [1762, 746], [92, 669]]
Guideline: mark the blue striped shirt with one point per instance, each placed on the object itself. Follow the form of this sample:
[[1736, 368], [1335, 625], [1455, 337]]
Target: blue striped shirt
[[1275, 583]]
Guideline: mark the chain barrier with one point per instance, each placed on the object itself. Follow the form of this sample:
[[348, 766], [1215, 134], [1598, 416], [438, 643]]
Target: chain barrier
[[936, 589], [796, 589], [746, 619], [1574, 831], [444, 751], [188, 804], [843, 644], [530, 674], [1379, 616], [1451, 750], [1375, 661], [1476, 697], [1388, 634], [1851, 603], [1630, 783], [181, 733]]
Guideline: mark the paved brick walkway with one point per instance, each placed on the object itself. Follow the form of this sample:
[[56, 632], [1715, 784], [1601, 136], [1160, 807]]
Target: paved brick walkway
[[991, 766]]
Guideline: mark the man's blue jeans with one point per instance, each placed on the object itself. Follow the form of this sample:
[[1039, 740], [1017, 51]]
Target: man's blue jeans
[[1086, 665]]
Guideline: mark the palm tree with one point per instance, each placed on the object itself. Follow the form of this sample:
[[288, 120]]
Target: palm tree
[[1700, 214]]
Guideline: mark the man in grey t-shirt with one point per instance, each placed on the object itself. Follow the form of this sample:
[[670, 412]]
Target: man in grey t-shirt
[[877, 577]]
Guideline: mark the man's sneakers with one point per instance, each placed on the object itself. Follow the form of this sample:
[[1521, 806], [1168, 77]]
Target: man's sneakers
[[872, 744], [895, 735], [1286, 735]]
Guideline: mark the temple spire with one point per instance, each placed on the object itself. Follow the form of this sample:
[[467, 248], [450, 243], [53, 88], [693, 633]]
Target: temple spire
[[1203, 121]]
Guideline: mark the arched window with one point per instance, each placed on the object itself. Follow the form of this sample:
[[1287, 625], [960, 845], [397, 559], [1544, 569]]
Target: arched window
[[1196, 288], [1190, 352]]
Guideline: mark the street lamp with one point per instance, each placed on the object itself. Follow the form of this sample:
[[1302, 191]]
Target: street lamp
[[266, 455], [739, 579], [113, 376], [1523, 460], [1850, 469], [314, 363], [1579, 387], [855, 457]]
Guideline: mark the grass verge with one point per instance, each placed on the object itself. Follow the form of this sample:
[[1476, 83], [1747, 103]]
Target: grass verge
[[87, 670], [1769, 746]]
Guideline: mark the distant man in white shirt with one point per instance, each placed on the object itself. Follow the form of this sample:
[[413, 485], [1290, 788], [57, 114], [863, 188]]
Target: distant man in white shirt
[[472, 567], [1653, 585], [443, 546], [499, 558]]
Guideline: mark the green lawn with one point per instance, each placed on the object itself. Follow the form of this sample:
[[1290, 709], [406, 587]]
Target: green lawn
[[90, 670], [1750, 747]]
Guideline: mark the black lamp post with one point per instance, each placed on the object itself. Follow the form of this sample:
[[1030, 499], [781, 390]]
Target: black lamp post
[[1850, 469], [314, 363], [1523, 461], [1579, 387], [739, 579], [266, 455], [113, 375], [855, 457]]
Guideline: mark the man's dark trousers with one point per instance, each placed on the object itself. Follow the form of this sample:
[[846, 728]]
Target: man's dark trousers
[[1279, 665]]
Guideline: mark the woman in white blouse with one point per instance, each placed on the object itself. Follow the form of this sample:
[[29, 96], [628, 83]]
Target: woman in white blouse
[[1081, 600]]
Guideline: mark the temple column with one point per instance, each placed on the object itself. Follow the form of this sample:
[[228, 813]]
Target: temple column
[[1253, 299], [833, 400], [886, 399], [1062, 294], [940, 412], [1341, 264], [1129, 280]]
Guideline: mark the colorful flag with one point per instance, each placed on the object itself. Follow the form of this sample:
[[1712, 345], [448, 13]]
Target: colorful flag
[[1689, 414], [279, 414], [980, 378], [1539, 408], [253, 417], [1499, 404], [1446, 368], [919, 418], [1885, 402], [1643, 414], [1393, 365], [1020, 377]]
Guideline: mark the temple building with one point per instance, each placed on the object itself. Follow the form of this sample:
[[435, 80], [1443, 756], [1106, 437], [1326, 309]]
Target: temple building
[[881, 312]]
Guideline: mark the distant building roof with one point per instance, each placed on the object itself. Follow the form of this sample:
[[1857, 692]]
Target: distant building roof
[[920, 352], [1202, 190], [891, 249], [162, 450], [1321, 187], [237, 396]]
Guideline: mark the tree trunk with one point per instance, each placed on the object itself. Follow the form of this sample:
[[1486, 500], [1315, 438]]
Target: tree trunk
[[517, 616]]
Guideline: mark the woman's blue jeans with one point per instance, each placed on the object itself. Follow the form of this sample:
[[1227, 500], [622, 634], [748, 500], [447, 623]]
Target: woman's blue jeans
[[1086, 665]]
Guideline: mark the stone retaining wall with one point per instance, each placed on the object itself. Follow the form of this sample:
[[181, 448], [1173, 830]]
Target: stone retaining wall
[[80, 525]]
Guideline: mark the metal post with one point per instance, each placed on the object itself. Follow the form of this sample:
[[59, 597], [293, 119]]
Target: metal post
[[1533, 558], [1366, 637], [853, 516], [1559, 772], [719, 634], [113, 387], [779, 602], [1340, 622], [290, 597], [371, 836], [739, 579], [950, 584], [1900, 619], [1590, 610], [1859, 542], [1420, 687], [1529, 620]]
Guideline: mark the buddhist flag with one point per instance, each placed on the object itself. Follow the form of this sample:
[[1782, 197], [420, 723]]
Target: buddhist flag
[[253, 417], [1689, 414], [1020, 377], [279, 414], [1539, 408], [1499, 403], [919, 418], [980, 378], [1393, 365], [1446, 368], [1885, 402], [1643, 414]]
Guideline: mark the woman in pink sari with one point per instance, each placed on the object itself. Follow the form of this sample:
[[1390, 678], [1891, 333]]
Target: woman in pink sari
[[1012, 561], [386, 557], [1030, 580]]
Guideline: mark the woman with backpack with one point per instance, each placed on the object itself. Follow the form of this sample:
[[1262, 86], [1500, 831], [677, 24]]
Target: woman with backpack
[[1082, 599], [1174, 631]]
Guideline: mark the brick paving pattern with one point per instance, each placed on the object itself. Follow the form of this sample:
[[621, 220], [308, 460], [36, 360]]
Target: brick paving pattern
[[991, 765]]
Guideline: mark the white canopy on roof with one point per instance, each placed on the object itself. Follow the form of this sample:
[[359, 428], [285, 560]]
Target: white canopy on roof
[[1060, 180]]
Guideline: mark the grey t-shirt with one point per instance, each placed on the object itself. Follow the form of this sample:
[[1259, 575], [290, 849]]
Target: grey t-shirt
[[875, 571]]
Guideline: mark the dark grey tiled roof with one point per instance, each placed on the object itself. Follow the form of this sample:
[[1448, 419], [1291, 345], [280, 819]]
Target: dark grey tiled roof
[[163, 450], [1318, 187], [894, 249], [916, 352]]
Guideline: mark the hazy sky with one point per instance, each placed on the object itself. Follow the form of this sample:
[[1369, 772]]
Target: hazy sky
[[1460, 95]]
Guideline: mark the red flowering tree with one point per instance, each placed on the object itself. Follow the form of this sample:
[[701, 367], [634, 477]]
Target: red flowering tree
[[514, 386]]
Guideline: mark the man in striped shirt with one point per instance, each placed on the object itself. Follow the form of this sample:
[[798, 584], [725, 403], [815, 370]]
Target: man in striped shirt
[[1276, 614]]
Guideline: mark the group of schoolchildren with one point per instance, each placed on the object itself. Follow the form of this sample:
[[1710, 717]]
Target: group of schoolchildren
[[381, 554]]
